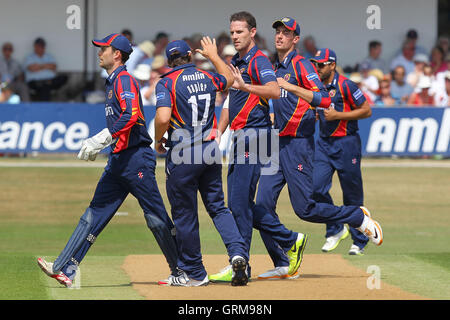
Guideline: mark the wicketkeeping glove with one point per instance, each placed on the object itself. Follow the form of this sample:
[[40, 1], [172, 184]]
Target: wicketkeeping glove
[[92, 146]]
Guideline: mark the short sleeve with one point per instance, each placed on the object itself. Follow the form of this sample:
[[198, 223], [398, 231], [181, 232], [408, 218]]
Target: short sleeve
[[162, 94]]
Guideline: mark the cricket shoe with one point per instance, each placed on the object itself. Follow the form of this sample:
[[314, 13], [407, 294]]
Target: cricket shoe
[[47, 267], [371, 228], [182, 280], [239, 271], [224, 275], [295, 254], [332, 242], [278, 273], [356, 251]]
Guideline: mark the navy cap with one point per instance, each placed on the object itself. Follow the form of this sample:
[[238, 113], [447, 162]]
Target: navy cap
[[289, 23], [179, 46], [116, 40], [324, 55]]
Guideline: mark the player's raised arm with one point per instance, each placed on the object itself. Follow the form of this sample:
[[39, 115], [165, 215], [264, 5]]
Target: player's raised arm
[[209, 51]]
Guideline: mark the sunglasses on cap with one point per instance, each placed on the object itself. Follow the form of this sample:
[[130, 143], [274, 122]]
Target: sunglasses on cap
[[322, 64]]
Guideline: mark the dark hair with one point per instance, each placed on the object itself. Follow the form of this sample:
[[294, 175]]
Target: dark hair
[[373, 44], [125, 56], [127, 32], [244, 16], [160, 35], [175, 59], [39, 41]]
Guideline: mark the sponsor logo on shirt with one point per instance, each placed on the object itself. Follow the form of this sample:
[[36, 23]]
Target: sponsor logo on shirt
[[127, 95], [312, 76], [357, 94], [160, 96], [267, 72]]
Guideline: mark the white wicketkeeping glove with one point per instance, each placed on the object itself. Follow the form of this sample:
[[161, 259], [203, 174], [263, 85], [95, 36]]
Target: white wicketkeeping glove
[[92, 146]]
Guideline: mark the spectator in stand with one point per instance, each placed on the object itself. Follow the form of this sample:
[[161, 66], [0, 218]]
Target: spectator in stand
[[228, 53], [159, 64], [444, 43], [142, 74], [439, 81], [129, 35], [369, 83], [40, 73], [400, 90], [373, 60], [7, 95], [385, 98], [405, 58], [420, 61], [413, 36], [442, 97], [149, 93], [309, 47], [358, 80], [12, 72], [142, 54], [438, 60], [223, 39], [420, 96], [160, 42]]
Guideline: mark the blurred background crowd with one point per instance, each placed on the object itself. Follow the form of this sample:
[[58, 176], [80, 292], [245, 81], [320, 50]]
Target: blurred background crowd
[[415, 76]]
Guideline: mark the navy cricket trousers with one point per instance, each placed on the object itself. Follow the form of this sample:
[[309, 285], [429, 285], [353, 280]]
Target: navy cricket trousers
[[341, 155], [250, 147], [184, 182], [130, 171], [296, 170]]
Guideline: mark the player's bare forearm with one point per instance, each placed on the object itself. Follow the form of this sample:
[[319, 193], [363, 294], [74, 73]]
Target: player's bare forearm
[[162, 120], [270, 90], [223, 121], [364, 111], [300, 92]]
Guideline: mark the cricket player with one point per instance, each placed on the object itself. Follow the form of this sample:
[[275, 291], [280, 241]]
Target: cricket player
[[255, 83], [294, 115], [338, 148], [130, 168], [186, 109]]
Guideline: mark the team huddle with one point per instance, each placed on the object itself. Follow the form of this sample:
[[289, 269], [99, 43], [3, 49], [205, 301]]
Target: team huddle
[[300, 92]]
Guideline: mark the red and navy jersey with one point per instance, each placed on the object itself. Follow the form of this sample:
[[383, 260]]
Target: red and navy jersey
[[247, 109], [191, 93], [345, 96], [124, 114], [294, 116]]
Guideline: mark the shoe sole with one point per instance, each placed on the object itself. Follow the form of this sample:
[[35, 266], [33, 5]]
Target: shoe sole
[[285, 277], [380, 233], [240, 277], [300, 254], [345, 236]]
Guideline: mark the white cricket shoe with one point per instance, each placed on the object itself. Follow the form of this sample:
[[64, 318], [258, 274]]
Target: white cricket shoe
[[332, 242], [371, 228], [182, 280], [47, 267], [278, 273], [356, 251]]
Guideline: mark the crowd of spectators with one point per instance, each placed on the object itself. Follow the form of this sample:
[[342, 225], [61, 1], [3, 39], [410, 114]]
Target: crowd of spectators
[[414, 77]]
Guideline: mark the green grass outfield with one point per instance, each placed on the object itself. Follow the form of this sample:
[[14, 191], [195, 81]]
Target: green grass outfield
[[40, 207]]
